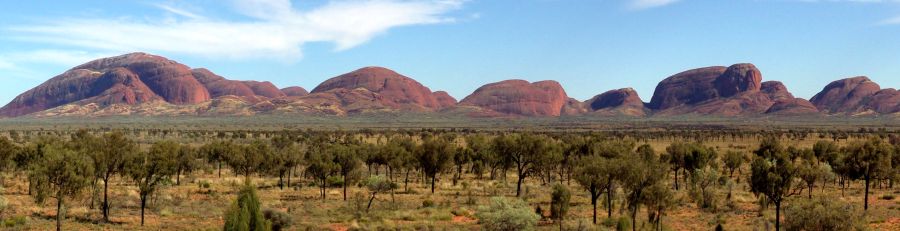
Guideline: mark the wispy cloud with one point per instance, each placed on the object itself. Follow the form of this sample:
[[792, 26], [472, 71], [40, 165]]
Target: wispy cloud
[[54, 57], [275, 29], [891, 21], [646, 4]]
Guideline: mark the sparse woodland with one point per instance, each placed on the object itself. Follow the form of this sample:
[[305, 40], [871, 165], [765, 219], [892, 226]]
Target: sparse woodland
[[432, 179]]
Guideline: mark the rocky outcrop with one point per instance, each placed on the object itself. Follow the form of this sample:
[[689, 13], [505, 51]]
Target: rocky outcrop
[[519, 97], [856, 95], [737, 90], [623, 101], [173, 81], [294, 91], [389, 90]]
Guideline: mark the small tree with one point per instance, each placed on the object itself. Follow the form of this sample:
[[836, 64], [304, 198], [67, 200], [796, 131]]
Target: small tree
[[60, 173], [378, 184], [823, 214], [638, 175], [250, 159], [114, 151], [559, 203], [507, 215], [186, 162], [348, 164], [321, 166], [772, 175], [151, 169], [733, 161], [658, 199], [525, 152], [597, 174], [245, 213], [867, 161], [434, 155]]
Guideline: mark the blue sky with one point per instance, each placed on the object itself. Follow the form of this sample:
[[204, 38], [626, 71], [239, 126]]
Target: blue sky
[[589, 46]]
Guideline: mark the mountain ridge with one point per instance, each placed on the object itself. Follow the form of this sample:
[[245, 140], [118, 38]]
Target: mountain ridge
[[146, 84]]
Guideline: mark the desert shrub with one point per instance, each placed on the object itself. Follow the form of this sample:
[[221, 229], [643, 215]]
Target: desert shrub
[[3, 205], [623, 224], [427, 203], [822, 214], [334, 181], [507, 215], [14, 221], [888, 197], [278, 219], [204, 184], [245, 214]]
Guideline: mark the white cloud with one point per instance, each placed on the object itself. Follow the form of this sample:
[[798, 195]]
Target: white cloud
[[275, 29], [58, 57], [645, 4]]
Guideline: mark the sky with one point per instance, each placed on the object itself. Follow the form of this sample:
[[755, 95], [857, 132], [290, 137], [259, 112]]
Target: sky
[[589, 46]]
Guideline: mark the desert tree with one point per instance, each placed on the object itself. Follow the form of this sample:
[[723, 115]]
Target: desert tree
[[868, 160], [320, 165], [401, 158], [186, 162], [378, 184], [559, 203], [733, 161], [434, 156], [826, 151], [813, 172], [250, 158], [60, 173], [462, 156], [658, 199], [597, 175], [347, 159], [526, 152], [114, 150], [772, 175], [823, 214], [153, 168], [288, 155], [218, 152], [639, 174], [8, 152]]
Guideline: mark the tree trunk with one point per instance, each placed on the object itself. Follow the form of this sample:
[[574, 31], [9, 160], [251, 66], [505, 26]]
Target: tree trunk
[[220, 169], [406, 180], [609, 205], [432, 182], [59, 212], [634, 218], [519, 184], [777, 215], [866, 197], [143, 205], [345, 188], [594, 198], [290, 172], [676, 179], [370, 202], [105, 205], [178, 177]]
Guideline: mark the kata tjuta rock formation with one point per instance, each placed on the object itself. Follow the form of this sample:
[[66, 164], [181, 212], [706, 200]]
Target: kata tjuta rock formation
[[377, 89], [128, 79], [294, 91], [857, 95], [724, 91], [623, 101], [521, 98]]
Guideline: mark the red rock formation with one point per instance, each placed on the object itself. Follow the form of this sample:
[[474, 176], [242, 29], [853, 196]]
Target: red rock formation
[[734, 91], [847, 96], [392, 90], [172, 81], [686, 88], [264, 89], [623, 101], [444, 99], [218, 86], [294, 91], [519, 97], [738, 78]]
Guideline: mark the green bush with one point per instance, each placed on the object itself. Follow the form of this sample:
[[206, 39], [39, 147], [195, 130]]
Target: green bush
[[822, 214], [334, 181], [245, 214], [427, 203], [623, 224], [14, 221], [507, 215], [278, 219]]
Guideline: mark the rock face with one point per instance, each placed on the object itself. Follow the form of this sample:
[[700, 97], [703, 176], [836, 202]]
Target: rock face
[[733, 91], [382, 88], [856, 95], [135, 79], [519, 97], [622, 101], [294, 91], [444, 99]]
